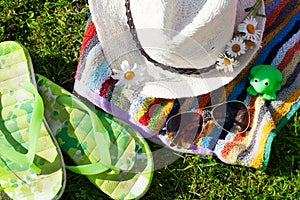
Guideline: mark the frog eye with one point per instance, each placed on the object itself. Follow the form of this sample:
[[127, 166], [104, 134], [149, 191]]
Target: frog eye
[[256, 80], [266, 83]]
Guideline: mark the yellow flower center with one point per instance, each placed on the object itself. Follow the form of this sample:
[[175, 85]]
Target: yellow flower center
[[249, 43], [227, 61], [129, 75], [236, 48], [251, 28]]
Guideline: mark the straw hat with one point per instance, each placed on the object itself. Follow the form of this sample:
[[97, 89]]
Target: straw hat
[[177, 48]]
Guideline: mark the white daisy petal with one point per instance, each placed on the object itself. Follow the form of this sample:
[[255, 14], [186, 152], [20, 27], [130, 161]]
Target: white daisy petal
[[117, 76], [135, 67], [116, 71], [236, 47], [226, 63], [125, 66], [248, 27], [230, 68], [127, 84], [128, 76]]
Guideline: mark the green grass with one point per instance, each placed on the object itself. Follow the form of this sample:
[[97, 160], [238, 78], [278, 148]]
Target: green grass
[[52, 31]]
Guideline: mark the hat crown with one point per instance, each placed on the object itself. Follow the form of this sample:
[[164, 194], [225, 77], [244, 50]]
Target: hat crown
[[184, 34]]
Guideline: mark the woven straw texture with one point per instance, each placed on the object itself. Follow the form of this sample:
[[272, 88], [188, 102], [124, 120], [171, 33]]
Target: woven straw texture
[[176, 53]]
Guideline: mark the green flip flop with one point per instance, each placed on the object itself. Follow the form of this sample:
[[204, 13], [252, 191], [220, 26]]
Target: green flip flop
[[113, 156], [31, 164]]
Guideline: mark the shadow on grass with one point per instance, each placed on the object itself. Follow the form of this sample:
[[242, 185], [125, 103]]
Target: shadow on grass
[[57, 69]]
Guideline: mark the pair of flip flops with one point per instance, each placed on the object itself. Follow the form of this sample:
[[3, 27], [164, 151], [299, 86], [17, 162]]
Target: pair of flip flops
[[108, 151]]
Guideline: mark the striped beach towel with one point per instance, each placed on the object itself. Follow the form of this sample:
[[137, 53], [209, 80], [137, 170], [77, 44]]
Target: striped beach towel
[[280, 48]]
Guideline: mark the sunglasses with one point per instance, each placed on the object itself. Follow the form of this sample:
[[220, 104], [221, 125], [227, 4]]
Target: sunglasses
[[185, 129]]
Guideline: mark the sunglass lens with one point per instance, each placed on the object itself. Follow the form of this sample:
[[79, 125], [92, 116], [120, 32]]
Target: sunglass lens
[[183, 129], [233, 116]]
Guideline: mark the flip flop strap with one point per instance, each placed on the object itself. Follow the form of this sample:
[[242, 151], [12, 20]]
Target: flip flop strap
[[92, 169], [7, 151], [101, 138]]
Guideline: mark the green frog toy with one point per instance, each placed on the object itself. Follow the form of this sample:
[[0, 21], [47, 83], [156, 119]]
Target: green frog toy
[[265, 80]]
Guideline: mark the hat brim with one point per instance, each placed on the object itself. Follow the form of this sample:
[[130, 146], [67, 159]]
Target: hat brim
[[161, 83]]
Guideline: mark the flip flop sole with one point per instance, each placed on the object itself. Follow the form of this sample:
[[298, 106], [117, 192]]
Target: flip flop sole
[[16, 108], [74, 133]]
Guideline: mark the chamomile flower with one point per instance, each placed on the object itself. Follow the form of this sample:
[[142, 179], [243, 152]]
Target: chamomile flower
[[226, 63], [249, 27], [128, 76], [236, 47]]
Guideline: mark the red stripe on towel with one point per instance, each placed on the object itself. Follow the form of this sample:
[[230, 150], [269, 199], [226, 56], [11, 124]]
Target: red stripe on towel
[[88, 35], [289, 56], [145, 119], [274, 14]]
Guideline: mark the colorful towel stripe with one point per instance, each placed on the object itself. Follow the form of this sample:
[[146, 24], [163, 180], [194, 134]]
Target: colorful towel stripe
[[281, 44]]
